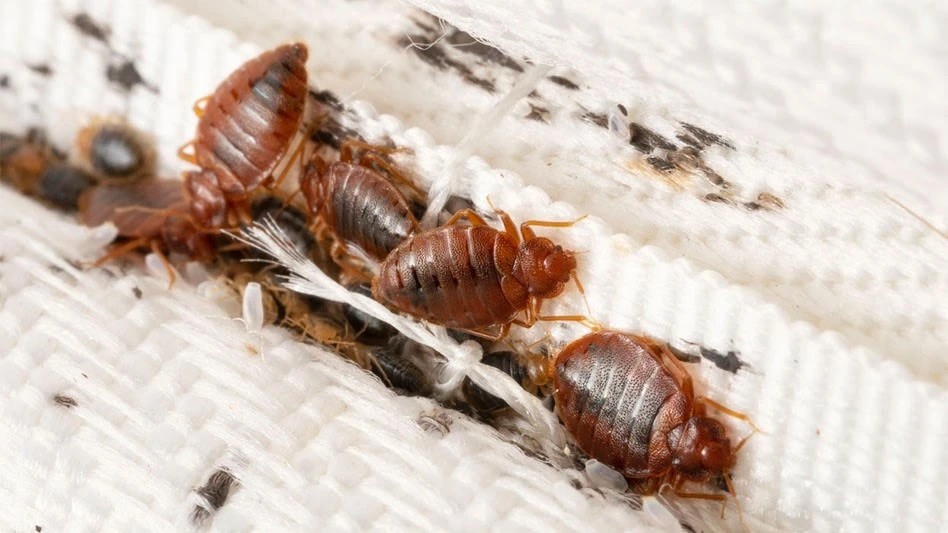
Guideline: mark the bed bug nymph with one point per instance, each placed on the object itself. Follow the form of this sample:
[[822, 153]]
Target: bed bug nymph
[[113, 150], [148, 214], [630, 404], [475, 277], [356, 204], [243, 133]]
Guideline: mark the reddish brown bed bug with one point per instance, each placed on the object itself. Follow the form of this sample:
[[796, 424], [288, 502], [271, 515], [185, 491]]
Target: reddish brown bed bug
[[150, 213], [113, 150], [628, 402], [24, 158], [356, 204], [244, 130], [476, 277]]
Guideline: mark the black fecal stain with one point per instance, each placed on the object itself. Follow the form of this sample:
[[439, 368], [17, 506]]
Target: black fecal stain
[[65, 401], [126, 76], [705, 137], [729, 362], [683, 356], [564, 82], [765, 201], [90, 28], [332, 133], [38, 529], [4, 82], [689, 140], [753, 206], [137, 292], [216, 491], [687, 527], [599, 119], [661, 164], [539, 114], [466, 43], [646, 140], [42, 69], [717, 198], [436, 56], [623, 110], [327, 98]]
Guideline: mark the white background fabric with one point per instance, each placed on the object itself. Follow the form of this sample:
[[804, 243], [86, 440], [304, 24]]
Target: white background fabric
[[835, 302]]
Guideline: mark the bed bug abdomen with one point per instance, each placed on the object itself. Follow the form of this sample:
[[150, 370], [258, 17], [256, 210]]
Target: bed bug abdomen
[[458, 276], [367, 210], [619, 403], [250, 120]]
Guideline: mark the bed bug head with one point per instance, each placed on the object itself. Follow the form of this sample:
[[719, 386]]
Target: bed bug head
[[544, 267], [703, 450]]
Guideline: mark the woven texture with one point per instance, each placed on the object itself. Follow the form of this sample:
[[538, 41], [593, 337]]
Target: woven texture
[[115, 408]]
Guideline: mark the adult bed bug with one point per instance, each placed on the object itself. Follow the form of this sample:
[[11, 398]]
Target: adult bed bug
[[629, 403], [475, 277], [244, 131]]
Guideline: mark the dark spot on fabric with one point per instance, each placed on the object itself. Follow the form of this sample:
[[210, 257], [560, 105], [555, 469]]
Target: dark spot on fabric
[[753, 206], [85, 375], [705, 137], [598, 119], [539, 114], [712, 197], [41, 69], [623, 110], [4, 81], [464, 42], [729, 362], [332, 133], [721, 483], [137, 292], [126, 76], [436, 56], [646, 140], [90, 28], [65, 401], [327, 98], [661, 164], [687, 527], [38, 529], [683, 356], [689, 140], [768, 201], [215, 491], [564, 82]]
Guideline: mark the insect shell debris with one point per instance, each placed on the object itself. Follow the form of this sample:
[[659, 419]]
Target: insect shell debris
[[113, 150]]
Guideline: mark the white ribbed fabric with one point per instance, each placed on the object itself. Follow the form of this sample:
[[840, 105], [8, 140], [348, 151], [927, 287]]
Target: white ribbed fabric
[[834, 302]]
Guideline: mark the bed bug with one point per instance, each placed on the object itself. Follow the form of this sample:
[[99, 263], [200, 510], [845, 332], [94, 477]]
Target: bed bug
[[244, 130], [629, 403], [506, 362], [356, 204], [113, 150], [475, 277], [24, 158], [150, 213], [398, 372], [62, 185], [365, 327]]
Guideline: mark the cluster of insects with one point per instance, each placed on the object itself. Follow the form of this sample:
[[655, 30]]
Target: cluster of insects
[[625, 399]]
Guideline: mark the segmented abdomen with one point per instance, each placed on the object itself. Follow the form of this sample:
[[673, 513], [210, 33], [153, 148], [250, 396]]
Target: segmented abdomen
[[619, 403], [453, 276], [251, 119], [367, 210]]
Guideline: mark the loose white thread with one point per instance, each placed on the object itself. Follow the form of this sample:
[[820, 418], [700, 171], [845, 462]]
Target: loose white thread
[[441, 188], [462, 360]]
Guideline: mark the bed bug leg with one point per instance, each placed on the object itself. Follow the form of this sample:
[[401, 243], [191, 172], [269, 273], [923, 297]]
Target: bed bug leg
[[199, 104], [527, 231], [467, 214], [702, 400], [377, 160], [187, 156], [172, 277], [116, 252]]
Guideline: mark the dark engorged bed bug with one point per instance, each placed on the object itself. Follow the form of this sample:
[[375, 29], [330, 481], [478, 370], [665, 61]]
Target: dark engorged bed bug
[[62, 185], [23, 158], [629, 403], [506, 362], [475, 277], [148, 214], [244, 131], [289, 219], [356, 204], [113, 150], [365, 327], [398, 372]]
